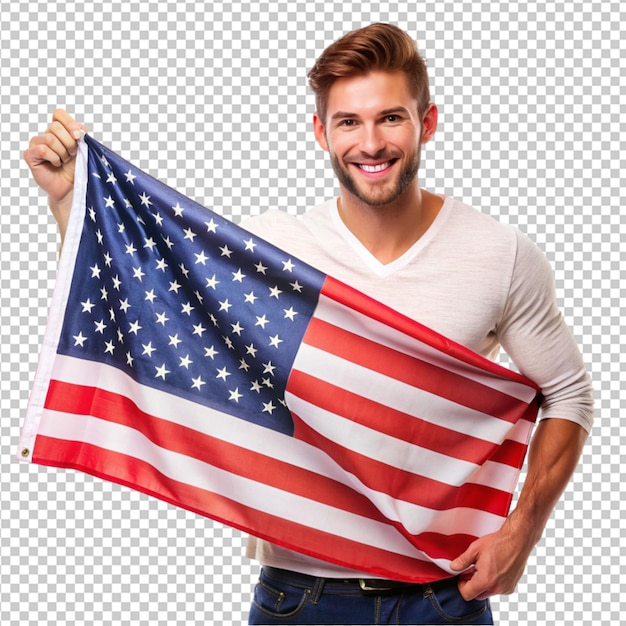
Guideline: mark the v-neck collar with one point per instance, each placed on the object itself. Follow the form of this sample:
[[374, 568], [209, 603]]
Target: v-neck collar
[[387, 269]]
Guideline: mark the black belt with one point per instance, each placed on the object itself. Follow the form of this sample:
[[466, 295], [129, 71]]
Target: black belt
[[366, 585]]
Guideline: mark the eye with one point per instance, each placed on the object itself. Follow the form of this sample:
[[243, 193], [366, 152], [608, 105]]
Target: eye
[[347, 122], [392, 118]]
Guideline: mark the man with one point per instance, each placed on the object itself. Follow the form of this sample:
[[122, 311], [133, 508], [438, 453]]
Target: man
[[444, 264]]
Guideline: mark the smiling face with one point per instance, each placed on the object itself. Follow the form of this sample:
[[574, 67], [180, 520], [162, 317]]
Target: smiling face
[[373, 134]]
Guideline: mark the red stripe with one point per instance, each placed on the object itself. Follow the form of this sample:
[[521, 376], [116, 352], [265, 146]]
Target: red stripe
[[406, 486], [413, 371], [402, 425], [143, 477], [353, 299], [80, 400]]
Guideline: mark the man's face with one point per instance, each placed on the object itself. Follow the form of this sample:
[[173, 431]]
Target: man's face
[[373, 134]]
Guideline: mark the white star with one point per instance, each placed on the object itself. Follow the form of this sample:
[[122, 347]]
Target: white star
[[296, 286], [130, 249], [121, 228], [251, 350], [261, 321], [109, 202], [250, 244], [260, 268], [92, 214], [212, 282], [104, 294], [174, 286], [198, 329], [225, 305], [124, 305], [130, 177], [161, 318], [79, 339], [256, 386], [161, 372], [187, 308], [158, 219], [129, 359], [223, 373], [275, 292], [168, 242], [234, 394], [109, 347], [211, 226], [87, 306], [134, 327], [107, 259], [100, 326], [225, 251], [290, 313], [238, 276], [268, 407], [197, 383], [237, 328], [201, 258], [111, 179], [184, 270], [189, 234], [210, 352], [148, 349], [95, 271], [99, 236], [288, 266], [268, 368], [243, 365], [116, 282], [145, 199], [138, 273], [149, 243], [150, 295], [161, 265], [178, 210], [275, 340], [174, 340], [250, 297], [185, 361]]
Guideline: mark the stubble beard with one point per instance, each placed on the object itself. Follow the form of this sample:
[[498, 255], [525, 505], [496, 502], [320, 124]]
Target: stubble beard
[[381, 196]]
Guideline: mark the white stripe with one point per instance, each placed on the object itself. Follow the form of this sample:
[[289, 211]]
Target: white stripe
[[348, 319], [402, 454], [57, 307], [262, 440], [399, 395], [259, 496]]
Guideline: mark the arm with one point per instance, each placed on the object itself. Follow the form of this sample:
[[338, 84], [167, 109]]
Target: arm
[[51, 158], [497, 561]]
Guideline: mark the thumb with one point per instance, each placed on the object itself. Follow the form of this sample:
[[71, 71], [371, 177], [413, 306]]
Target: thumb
[[465, 560]]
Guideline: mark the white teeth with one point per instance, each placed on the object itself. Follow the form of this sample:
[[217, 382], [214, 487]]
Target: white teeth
[[374, 168]]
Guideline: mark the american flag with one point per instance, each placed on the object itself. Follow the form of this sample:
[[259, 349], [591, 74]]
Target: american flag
[[192, 361]]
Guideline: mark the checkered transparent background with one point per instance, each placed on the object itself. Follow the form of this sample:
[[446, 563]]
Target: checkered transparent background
[[213, 100]]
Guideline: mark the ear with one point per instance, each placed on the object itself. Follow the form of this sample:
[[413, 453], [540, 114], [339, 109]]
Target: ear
[[320, 132], [429, 122]]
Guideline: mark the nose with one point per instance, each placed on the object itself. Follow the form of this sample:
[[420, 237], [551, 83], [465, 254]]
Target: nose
[[372, 139]]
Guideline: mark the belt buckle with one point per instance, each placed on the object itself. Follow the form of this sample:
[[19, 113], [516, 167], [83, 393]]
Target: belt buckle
[[363, 584]]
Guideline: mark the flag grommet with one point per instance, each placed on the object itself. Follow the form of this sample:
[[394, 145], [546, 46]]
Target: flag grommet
[[25, 453]]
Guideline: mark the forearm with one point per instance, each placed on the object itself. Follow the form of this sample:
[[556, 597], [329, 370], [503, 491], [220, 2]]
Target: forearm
[[554, 452]]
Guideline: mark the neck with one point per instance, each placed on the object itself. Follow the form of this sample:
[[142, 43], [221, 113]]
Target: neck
[[389, 231]]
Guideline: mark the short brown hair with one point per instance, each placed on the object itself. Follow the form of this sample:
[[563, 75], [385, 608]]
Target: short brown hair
[[375, 47]]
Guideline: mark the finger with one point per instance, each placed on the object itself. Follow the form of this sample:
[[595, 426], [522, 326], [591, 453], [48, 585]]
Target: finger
[[47, 147], [73, 127]]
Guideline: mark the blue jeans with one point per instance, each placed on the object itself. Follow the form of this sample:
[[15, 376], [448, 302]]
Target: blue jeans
[[282, 597]]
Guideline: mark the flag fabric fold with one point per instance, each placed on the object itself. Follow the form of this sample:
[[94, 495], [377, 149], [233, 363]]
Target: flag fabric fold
[[193, 361]]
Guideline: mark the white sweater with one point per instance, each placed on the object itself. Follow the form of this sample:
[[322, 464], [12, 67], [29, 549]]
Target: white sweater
[[479, 282]]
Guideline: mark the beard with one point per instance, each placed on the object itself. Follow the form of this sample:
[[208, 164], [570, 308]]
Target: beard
[[380, 195]]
